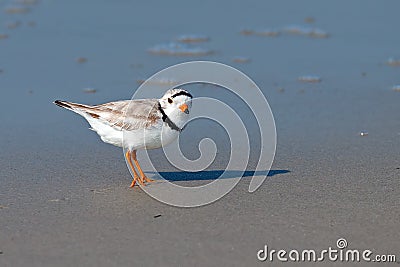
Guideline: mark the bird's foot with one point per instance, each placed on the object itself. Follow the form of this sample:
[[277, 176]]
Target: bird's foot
[[147, 179], [137, 178], [141, 181]]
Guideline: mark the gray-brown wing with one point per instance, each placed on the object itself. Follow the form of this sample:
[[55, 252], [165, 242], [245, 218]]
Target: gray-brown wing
[[128, 114]]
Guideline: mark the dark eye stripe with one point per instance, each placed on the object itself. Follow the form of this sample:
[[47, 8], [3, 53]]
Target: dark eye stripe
[[182, 93]]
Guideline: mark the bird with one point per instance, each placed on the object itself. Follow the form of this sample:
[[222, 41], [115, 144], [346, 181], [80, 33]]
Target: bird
[[138, 123]]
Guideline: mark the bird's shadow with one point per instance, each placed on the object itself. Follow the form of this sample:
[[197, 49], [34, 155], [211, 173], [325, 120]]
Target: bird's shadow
[[214, 174]]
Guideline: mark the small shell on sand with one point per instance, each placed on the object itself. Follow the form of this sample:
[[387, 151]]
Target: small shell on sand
[[89, 90], [394, 62], [309, 20], [307, 31], [178, 49], [193, 38], [318, 33], [246, 32], [293, 29], [241, 59], [58, 199], [267, 32], [26, 2], [396, 88], [16, 10], [13, 24], [161, 81], [264, 32], [81, 60], [309, 79]]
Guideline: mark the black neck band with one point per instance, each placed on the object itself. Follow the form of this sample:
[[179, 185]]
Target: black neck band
[[166, 119]]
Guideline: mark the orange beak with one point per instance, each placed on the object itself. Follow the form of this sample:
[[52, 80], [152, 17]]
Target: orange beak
[[184, 108]]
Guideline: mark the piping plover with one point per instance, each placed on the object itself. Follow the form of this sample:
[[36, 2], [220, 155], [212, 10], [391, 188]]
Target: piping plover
[[137, 124]]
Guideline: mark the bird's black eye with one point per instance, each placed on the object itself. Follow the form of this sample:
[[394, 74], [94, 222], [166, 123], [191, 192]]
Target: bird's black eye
[[170, 100]]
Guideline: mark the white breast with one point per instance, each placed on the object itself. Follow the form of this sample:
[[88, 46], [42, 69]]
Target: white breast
[[153, 137]]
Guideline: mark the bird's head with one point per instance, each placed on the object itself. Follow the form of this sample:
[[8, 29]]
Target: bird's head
[[176, 103]]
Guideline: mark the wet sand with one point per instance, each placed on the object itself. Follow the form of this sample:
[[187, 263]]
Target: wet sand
[[64, 196], [65, 206]]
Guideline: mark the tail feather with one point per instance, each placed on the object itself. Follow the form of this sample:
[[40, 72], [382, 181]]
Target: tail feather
[[78, 108], [63, 104], [72, 106]]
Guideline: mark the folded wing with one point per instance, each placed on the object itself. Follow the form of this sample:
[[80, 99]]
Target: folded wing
[[121, 115]]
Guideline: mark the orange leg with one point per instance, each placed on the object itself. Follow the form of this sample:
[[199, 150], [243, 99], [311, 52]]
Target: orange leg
[[135, 175], [143, 176]]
